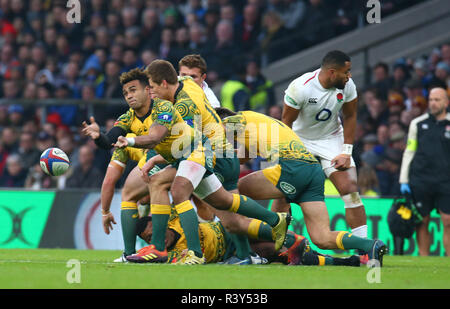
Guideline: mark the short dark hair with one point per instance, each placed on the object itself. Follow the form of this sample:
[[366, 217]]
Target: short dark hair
[[134, 74], [224, 112], [193, 61], [141, 224], [382, 65], [159, 70], [335, 58]]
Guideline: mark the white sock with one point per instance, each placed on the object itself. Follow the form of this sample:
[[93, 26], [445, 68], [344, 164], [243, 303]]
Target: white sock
[[360, 231]]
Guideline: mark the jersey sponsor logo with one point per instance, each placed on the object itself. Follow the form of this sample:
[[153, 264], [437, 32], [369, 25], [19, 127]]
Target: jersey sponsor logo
[[287, 188], [290, 100], [425, 126], [312, 101], [165, 117]]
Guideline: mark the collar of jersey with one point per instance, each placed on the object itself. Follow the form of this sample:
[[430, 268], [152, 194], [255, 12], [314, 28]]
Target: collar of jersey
[[180, 87]]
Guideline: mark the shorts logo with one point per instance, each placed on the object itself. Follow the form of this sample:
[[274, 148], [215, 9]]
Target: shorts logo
[[209, 162], [287, 188]]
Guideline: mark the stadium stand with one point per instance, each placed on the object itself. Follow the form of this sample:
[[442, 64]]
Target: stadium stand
[[54, 74]]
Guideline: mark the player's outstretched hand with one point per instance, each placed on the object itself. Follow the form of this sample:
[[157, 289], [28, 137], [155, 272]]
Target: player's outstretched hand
[[92, 130], [122, 142], [108, 221], [341, 162]]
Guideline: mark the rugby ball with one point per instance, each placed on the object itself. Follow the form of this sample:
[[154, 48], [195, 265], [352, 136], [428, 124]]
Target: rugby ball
[[54, 162]]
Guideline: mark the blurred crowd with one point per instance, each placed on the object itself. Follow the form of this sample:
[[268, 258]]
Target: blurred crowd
[[43, 56]]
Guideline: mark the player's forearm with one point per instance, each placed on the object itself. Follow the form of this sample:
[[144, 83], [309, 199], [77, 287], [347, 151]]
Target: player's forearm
[[146, 141], [105, 140], [349, 124], [113, 174]]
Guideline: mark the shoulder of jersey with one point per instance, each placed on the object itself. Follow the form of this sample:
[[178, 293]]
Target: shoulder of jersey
[[306, 78]]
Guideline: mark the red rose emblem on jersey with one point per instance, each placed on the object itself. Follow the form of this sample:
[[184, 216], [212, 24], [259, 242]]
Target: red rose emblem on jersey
[[340, 97]]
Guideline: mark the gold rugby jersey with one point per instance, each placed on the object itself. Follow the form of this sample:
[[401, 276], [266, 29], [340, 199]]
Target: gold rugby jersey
[[267, 137], [178, 143], [191, 102], [212, 240]]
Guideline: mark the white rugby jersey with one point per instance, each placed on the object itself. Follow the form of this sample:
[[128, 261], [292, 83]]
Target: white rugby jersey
[[210, 95], [319, 107]]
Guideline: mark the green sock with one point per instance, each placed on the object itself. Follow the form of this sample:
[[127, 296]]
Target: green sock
[[129, 219], [244, 205], [346, 241], [160, 219], [242, 245], [159, 222], [189, 223], [265, 232]]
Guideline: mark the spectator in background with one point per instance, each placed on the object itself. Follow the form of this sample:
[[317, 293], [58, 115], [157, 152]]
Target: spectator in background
[[400, 74], [262, 94], [292, 12], [151, 29], [29, 154], [197, 38], [44, 141], [180, 47], [9, 138], [222, 53], [212, 17], [15, 174], [235, 94], [85, 174], [317, 24], [272, 39], [248, 30], [368, 182], [36, 179], [275, 111], [382, 80]]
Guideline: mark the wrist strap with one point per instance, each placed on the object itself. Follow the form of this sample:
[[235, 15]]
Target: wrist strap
[[131, 141], [347, 149]]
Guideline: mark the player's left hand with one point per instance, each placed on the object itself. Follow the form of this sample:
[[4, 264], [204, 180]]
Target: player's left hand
[[341, 162], [122, 142]]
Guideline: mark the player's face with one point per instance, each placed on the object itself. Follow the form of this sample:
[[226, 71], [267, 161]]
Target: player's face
[[437, 102], [159, 90], [195, 73], [340, 76], [135, 94]]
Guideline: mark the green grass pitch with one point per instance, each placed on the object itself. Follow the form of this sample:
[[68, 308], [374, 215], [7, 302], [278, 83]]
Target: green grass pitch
[[47, 269]]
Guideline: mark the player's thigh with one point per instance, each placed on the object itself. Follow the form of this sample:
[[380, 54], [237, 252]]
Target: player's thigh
[[258, 186], [163, 178], [134, 188], [345, 181]]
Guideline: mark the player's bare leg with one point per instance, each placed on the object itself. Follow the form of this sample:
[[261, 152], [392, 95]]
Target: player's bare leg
[[133, 190], [315, 214], [446, 237], [355, 214], [241, 204], [423, 237], [280, 205]]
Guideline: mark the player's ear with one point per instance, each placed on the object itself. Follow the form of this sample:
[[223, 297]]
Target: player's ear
[[203, 77]]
